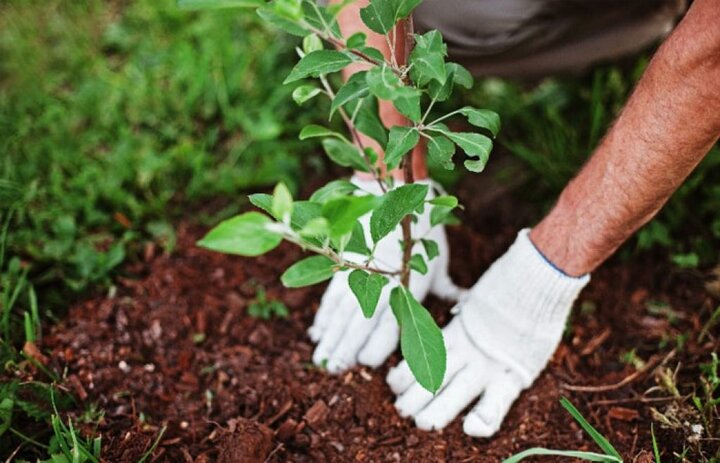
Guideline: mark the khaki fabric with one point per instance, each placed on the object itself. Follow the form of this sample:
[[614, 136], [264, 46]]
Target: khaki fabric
[[532, 38], [536, 38]]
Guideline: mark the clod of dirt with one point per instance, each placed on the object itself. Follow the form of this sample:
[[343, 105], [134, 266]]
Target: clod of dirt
[[287, 430], [316, 414], [250, 442]]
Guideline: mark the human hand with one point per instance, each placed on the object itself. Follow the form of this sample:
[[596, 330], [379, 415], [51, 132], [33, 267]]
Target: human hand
[[343, 334], [502, 337]]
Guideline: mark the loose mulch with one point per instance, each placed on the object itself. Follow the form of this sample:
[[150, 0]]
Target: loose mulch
[[172, 346]]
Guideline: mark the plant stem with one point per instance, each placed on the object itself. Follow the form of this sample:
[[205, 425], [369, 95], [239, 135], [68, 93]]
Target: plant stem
[[355, 134], [406, 27], [365, 57], [330, 254]]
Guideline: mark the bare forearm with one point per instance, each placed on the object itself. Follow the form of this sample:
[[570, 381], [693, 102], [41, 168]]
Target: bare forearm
[[668, 125]]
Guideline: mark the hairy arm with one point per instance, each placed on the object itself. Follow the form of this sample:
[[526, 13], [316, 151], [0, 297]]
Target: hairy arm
[[668, 125]]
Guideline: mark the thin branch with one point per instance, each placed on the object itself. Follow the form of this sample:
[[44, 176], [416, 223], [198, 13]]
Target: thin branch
[[355, 134], [289, 235], [651, 365], [362, 55], [427, 112]]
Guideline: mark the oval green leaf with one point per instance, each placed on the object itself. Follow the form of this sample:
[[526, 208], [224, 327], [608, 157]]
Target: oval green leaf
[[308, 271], [245, 235]]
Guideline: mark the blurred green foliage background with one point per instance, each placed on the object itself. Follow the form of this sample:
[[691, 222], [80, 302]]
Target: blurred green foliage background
[[114, 116]]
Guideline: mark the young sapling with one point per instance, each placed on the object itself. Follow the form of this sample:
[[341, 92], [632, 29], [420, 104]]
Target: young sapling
[[328, 224]]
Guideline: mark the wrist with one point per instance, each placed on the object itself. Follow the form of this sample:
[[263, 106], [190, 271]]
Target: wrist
[[559, 240]]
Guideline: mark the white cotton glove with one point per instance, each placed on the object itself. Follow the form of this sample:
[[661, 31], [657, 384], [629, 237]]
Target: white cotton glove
[[503, 336], [344, 336]]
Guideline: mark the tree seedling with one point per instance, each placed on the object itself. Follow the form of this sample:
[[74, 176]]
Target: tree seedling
[[263, 308], [327, 225]]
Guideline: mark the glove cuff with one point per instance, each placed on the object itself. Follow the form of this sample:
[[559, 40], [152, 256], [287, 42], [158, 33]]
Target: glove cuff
[[521, 298], [370, 185]]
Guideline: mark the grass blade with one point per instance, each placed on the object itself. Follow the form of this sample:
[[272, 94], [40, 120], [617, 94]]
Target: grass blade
[[599, 439], [588, 456], [154, 446], [656, 450]]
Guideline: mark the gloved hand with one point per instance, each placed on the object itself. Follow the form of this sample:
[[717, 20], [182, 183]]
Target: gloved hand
[[502, 337], [344, 336]]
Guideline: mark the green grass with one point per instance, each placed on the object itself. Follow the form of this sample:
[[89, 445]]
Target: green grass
[[115, 120], [111, 117]]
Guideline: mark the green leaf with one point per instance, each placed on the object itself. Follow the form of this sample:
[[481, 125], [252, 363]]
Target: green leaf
[[538, 451], [373, 53], [212, 4], [409, 107], [474, 144], [395, 205], [262, 201], [381, 15], [368, 121], [371, 155], [282, 202], [315, 131], [689, 260], [461, 76], [333, 189], [403, 8], [344, 154], [428, 59], [367, 288], [342, 213], [357, 243], [312, 43], [456, 75], [356, 40], [431, 248], [355, 87], [245, 235], [386, 85], [400, 142], [318, 17], [268, 15], [428, 67], [483, 118], [316, 227], [6, 410], [441, 149], [288, 9], [417, 263], [304, 93], [442, 215], [475, 165], [445, 200], [308, 271], [318, 63], [378, 16], [599, 439], [421, 340], [303, 212]]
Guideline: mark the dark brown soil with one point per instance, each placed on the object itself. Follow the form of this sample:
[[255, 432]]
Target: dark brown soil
[[173, 346]]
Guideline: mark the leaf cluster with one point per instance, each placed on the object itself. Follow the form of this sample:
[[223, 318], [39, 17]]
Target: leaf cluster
[[328, 223]]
